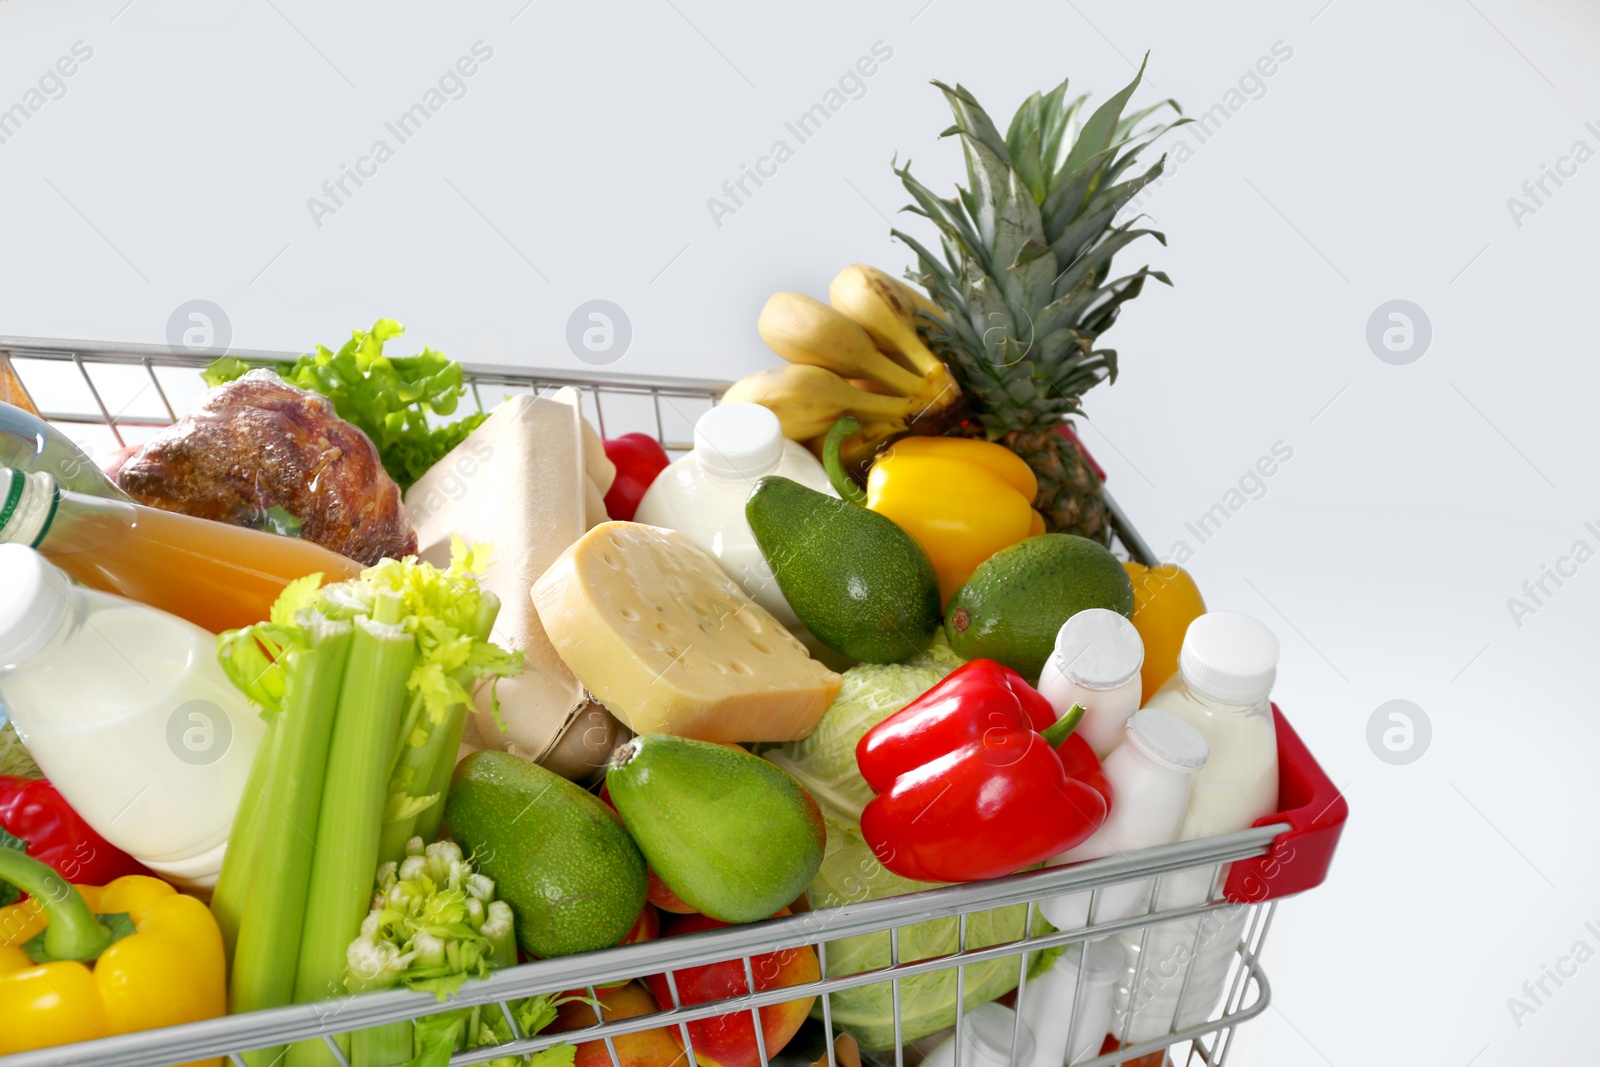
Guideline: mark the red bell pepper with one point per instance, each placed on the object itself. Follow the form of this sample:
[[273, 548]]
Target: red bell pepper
[[638, 458], [970, 783], [51, 832]]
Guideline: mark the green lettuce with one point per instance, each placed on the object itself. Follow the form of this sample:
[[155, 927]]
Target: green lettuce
[[825, 763], [14, 757]]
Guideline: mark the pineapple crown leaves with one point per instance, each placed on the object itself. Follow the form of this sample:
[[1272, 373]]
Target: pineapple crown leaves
[[1027, 245]]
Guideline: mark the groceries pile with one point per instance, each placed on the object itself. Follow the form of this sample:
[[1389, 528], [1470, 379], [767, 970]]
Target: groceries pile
[[326, 689]]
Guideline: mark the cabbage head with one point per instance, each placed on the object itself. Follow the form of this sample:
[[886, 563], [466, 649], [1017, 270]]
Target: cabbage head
[[825, 764]]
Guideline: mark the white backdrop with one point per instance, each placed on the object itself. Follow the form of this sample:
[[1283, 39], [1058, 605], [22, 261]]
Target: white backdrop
[[1375, 164]]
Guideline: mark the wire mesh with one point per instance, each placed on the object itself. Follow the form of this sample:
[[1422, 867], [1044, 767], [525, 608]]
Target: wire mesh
[[110, 395]]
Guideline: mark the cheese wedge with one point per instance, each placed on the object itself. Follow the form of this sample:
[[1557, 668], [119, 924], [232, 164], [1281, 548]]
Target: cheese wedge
[[658, 633]]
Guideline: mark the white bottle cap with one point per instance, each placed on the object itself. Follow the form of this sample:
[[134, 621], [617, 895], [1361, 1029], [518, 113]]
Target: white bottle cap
[[738, 440], [1229, 657], [35, 600], [987, 1030], [1098, 649], [1167, 739]]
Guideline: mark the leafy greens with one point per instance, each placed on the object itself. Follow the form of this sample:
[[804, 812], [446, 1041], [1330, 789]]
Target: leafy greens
[[14, 757], [390, 399]]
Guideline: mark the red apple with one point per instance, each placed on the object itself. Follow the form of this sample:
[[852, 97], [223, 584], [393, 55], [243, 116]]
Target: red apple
[[646, 928], [730, 1040], [662, 897], [660, 1047]]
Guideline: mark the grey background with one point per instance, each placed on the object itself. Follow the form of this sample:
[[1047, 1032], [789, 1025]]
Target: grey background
[[1375, 165]]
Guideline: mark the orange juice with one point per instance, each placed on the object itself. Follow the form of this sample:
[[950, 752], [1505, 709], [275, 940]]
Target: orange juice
[[217, 576]]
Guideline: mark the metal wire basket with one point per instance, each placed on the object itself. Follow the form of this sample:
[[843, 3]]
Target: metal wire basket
[[108, 395]]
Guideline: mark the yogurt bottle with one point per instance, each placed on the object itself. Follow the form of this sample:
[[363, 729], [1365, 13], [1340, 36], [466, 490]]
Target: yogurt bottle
[[1095, 663], [1068, 1007], [986, 1034], [1150, 777], [1225, 673], [702, 495], [126, 711]]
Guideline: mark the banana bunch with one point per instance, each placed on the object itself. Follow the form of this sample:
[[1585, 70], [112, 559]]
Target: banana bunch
[[861, 356]]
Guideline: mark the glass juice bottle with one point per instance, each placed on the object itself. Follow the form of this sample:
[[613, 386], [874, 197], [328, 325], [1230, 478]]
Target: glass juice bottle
[[217, 576], [28, 443]]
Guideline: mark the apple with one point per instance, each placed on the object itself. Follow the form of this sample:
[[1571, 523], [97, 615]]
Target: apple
[[846, 1053], [662, 897], [730, 1040], [645, 928], [660, 1047], [648, 928]]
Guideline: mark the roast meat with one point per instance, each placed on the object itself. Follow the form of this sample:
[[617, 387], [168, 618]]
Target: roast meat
[[258, 443]]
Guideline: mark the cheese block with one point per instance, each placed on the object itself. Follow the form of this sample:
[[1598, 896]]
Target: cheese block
[[658, 633]]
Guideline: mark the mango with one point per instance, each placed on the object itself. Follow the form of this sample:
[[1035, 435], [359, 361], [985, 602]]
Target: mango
[[733, 836]]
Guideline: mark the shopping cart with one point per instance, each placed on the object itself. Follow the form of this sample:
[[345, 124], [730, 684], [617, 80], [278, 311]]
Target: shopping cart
[[110, 395]]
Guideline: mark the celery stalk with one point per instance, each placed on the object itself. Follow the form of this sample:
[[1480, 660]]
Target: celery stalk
[[413, 782], [498, 926], [279, 852], [388, 1045], [415, 710], [228, 899], [444, 765], [424, 770], [366, 739], [375, 965], [371, 703]]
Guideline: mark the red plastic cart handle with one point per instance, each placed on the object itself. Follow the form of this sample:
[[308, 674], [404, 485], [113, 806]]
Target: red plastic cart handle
[[1315, 811], [1310, 803]]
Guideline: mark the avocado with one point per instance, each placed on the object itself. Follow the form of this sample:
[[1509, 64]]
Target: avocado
[[573, 877], [734, 836], [1012, 606], [860, 583]]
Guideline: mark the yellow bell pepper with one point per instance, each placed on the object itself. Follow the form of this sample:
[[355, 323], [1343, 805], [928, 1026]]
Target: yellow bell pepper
[[961, 499], [1165, 602], [170, 970]]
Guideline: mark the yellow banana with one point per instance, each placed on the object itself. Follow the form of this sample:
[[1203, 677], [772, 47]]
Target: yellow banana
[[919, 299], [803, 330], [885, 310], [809, 400]]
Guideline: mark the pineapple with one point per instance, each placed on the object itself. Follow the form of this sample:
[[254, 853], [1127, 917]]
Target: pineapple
[[1023, 282]]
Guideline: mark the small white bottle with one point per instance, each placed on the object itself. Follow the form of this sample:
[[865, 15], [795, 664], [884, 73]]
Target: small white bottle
[[703, 494], [1150, 777], [126, 711], [1071, 1002], [986, 1033], [1096, 663], [1225, 673]]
